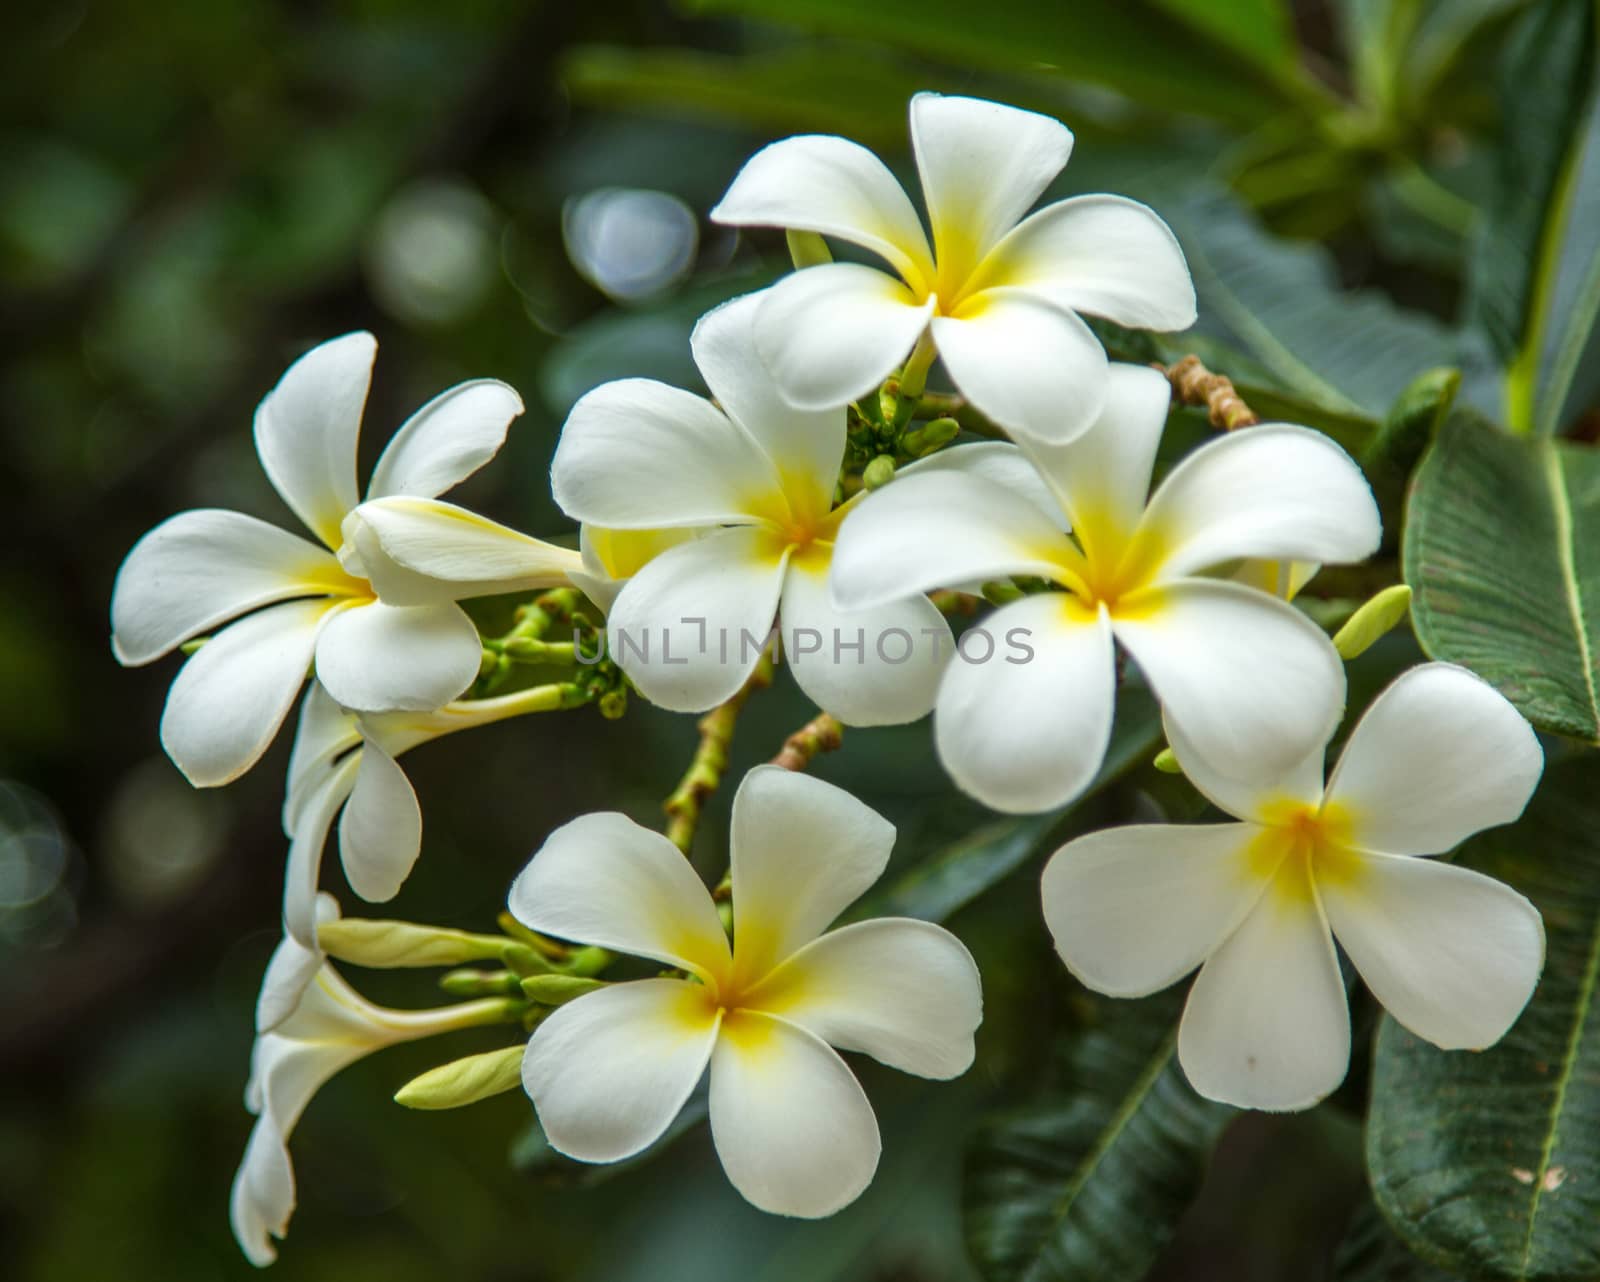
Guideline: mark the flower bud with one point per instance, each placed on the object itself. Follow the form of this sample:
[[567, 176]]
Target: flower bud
[[557, 990], [383, 945], [464, 1081]]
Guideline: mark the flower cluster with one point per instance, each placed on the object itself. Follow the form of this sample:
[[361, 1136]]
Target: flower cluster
[[821, 506]]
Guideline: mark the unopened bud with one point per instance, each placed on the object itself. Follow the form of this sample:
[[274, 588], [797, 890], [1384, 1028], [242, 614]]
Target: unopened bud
[[524, 960], [557, 990], [465, 1081], [878, 473], [369, 941], [1001, 592], [1375, 618], [612, 704], [1167, 762], [480, 983], [932, 435]]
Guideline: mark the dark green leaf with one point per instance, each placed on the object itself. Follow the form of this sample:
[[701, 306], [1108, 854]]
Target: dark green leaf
[[948, 880], [1120, 45], [1087, 1180], [532, 1155], [1260, 30], [1502, 552], [1489, 1163], [1545, 79], [1370, 1252], [1280, 303]]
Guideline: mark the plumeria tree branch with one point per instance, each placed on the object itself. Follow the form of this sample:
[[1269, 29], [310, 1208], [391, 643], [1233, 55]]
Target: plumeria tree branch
[[1194, 384], [710, 759], [823, 733]]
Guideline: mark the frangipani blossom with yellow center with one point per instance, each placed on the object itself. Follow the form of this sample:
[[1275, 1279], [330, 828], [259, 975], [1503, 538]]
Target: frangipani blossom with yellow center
[[1257, 905], [796, 1134], [998, 294], [756, 479], [295, 601], [1243, 674], [329, 1027]]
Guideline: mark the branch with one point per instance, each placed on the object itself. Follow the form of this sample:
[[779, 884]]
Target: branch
[[1193, 384], [823, 733], [710, 759]]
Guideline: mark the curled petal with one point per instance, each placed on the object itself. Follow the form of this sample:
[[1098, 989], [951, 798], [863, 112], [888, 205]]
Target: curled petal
[[385, 658], [447, 440], [306, 431]]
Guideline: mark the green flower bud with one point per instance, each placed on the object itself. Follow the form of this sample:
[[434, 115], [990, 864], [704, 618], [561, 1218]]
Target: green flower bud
[[465, 1081]]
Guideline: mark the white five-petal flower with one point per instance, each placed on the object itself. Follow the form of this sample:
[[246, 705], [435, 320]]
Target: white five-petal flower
[[1452, 954], [998, 294], [1245, 676], [796, 1135], [757, 478], [383, 637], [320, 1026]]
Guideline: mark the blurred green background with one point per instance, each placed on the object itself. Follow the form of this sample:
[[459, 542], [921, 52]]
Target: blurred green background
[[194, 193]]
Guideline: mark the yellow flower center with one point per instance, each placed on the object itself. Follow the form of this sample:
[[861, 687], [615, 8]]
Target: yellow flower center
[[1103, 563], [1310, 843]]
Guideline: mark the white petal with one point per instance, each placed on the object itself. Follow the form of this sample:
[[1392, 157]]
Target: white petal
[[1267, 1025], [830, 185], [831, 334], [905, 992], [323, 733], [690, 626], [875, 667], [1258, 799], [386, 658], [806, 446], [306, 431], [1271, 491], [802, 851], [1101, 479], [293, 966], [937, 530], [792, 1125], [1438, 756], [229, 699], [263, 1196], [608, 1073], [612, 557], [303, 871], [638, 454], [1252, 685], [602, 879], [982, 166], [1135, 909], [380, 832], [1024, 732], [997, 462], [1028, 364], [426, 551], [1452, 954], [1105, 255], [447, 440], [200, 568]]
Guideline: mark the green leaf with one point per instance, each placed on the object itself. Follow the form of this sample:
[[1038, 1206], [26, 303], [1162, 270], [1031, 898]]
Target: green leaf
[[1545, 79], [1120, 45], [532, 1154], [855, 92], [1370, 1252], [1502, 552], [1087, 1180], [941, 885], [1279, 302], [1489, 1163], [1260, 30]]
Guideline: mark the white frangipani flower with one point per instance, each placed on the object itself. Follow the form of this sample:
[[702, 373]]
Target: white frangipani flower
[[1245, 676], [998, 294], [612, 557], [796, 1135], [757, 478], [347, 761], [327, 1027], [412, 648], [1452, 954]]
